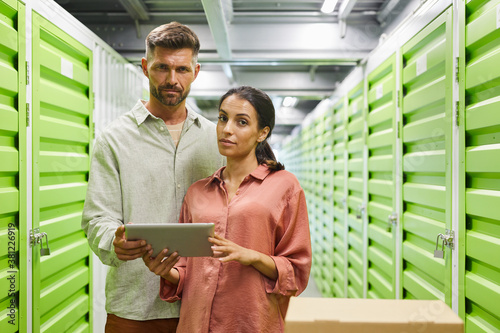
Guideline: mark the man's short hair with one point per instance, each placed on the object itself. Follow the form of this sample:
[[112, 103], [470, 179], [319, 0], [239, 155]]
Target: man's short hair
[[175, 36]]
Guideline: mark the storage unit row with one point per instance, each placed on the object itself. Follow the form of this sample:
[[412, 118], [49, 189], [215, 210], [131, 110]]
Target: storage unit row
[[402, 171], [55, 75]]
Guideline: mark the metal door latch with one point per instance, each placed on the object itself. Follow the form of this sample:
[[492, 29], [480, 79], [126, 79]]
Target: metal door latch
[[36, 237], [447, 240], [361, 209], [344, 202], [391, 221]]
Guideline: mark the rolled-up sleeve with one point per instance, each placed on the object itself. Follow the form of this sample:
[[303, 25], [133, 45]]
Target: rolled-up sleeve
[[102, 212], [293, 253], [170, 292]]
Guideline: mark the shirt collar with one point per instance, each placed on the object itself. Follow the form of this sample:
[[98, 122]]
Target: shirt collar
[[260, 173], [141, 113]]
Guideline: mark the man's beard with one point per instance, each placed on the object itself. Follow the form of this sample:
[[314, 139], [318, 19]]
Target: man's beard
[[168, 101]]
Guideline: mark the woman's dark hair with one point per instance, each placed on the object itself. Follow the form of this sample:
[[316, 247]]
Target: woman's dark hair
[[265, 113]]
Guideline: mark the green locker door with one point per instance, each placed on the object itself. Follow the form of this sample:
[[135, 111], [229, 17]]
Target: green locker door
[[339, 201], [355, 191], [482, 168], [62, 112], [311, 198], [426, 166], [317, 171], [324, 225], [326, 197], [381, 182], [12, 167], [308, 184]]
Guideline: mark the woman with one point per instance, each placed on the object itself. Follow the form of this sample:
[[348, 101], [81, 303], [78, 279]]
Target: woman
[[262, 247]]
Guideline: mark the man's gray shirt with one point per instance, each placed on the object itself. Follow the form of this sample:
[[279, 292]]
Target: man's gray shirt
[[138, 175]]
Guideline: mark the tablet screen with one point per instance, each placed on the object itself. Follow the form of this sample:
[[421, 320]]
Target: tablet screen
[[188, 239]]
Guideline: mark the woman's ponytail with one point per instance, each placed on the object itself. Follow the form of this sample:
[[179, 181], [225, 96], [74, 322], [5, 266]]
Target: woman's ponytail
[[265, 155]]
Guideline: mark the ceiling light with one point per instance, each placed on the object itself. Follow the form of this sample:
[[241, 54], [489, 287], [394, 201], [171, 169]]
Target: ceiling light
[[289, 102], [329, 6]]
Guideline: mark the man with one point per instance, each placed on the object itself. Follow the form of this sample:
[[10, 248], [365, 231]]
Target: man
[[142, 166]]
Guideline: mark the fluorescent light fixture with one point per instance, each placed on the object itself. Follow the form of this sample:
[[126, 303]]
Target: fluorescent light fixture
[[289, 101], [329, 6]]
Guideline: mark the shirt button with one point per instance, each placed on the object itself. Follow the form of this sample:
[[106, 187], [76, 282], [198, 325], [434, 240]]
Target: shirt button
[[178, 185], [162, 128]]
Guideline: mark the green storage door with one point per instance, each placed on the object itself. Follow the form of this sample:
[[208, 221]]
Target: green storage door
[[62, 111], [327, 204], [482, 167], [339, 200], [381, 183], [324, 197], [308, 184], [426, 131], [316, 209], [355, 188], [12, 167]]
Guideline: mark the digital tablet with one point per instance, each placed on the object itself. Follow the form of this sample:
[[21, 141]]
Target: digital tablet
[[188, 239]]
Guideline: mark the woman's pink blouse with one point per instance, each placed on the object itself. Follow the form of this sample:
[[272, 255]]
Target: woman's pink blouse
[[268, 214]]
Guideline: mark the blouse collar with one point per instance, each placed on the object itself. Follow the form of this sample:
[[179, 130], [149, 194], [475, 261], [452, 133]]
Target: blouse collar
[[260, 173]]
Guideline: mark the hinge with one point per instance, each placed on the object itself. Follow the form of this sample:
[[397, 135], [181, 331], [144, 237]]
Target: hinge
[[397, 99], [457, 113], [28, 115], [398, 125], [457, 69], [27, 73]]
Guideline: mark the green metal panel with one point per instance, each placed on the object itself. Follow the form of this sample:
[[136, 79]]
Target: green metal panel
[[355, 164], [315, 217], [427, 80], [482, 171], [324, 131], [308, 183], [317, 171], [62, 114], [339, 200], [12, 168], [381, 182], [327, 197]]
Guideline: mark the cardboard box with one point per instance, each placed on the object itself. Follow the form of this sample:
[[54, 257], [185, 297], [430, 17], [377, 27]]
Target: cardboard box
[[348, 315]]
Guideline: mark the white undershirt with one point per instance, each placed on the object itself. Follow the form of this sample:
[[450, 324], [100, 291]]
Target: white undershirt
[[175, 132]]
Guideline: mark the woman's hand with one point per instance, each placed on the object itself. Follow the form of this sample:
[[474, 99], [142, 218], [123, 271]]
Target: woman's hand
[[227, 251], [162, 265]]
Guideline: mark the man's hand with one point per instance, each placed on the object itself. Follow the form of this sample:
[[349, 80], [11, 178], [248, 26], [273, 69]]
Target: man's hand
[[162, 265], [128, 250]]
